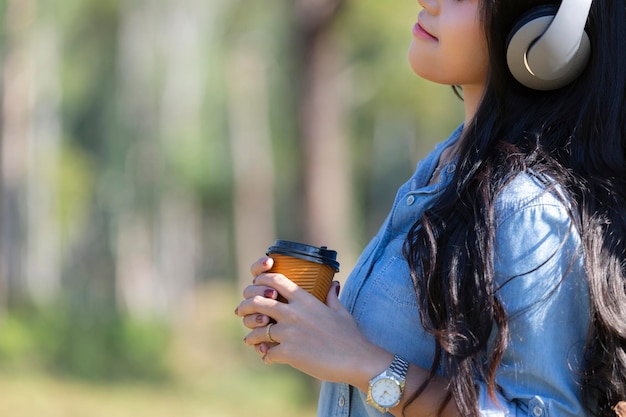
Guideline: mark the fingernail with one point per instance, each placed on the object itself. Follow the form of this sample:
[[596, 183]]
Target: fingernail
[[259, 318], [337, 288], [263, 348], [266, 261], [269, 293], [237, 311]]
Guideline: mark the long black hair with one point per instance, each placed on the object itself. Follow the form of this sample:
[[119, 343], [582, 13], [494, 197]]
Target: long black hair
[[577, 135]]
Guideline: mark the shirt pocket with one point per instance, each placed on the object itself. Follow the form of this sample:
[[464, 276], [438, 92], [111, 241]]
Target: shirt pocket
[[386, 307], [392, 283]]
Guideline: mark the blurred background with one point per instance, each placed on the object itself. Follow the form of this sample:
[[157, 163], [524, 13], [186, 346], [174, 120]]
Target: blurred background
[[150, 151]]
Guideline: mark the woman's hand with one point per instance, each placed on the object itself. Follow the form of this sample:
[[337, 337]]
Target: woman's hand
[[254, 320], [319, 339]]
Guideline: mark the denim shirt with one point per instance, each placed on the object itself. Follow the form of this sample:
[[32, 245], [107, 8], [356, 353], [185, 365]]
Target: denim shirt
[[541, 285]]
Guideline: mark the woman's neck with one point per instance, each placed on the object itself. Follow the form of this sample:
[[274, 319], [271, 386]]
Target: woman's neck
[[472, 94]]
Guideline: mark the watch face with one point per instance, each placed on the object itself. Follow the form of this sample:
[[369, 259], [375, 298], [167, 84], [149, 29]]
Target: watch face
[[386, 392]]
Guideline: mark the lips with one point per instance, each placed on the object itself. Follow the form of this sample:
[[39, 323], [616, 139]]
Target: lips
[[420, 32]]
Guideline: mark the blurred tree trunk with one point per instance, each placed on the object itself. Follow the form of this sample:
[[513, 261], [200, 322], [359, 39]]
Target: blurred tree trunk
[[17, 129], [252, 155], [44, 248], [159, 234], [137, 287], [323, 116], [30, 245], [179, 239]]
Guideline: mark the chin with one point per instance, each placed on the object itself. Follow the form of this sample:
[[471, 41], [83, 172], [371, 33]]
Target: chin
[[419, 62], [422, 72]]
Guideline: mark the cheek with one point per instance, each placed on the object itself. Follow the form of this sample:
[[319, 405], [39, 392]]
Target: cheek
[[470, 52], [476, 61], [480, 68]]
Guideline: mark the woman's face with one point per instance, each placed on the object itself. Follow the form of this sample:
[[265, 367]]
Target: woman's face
[[449, 44]]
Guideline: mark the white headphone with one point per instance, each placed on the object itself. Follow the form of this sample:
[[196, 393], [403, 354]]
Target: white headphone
[[548, 47]]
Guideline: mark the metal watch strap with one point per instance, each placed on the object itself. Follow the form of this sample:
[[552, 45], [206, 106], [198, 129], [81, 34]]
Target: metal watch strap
[[399, 367]]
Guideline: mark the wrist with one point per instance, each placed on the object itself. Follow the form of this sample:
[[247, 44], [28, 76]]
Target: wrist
[[385, 390], [366, 364]]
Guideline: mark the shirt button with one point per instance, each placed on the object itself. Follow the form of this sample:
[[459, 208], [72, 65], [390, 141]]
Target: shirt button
[[342, 401], [410, 200], [451, 168], [536, 407]]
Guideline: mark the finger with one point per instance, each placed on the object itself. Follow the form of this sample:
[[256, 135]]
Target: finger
[[256, 291], [267, 334], [259, 305], [275, 354], [261, 348], [264, 264], [263, 291], [332, 299], [264, 349], [270, 355], [285, 287], [252, 321]]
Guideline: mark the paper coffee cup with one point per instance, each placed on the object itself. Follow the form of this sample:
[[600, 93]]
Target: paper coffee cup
[[311, 267]]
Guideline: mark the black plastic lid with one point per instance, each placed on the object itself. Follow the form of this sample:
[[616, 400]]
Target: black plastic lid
[[321, 255]]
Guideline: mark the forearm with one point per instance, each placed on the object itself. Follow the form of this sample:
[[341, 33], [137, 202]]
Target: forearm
[[428, 403]]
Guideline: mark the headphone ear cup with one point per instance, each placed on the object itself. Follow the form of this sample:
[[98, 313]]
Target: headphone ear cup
[[545, 50], [546, 10], [525, 32]]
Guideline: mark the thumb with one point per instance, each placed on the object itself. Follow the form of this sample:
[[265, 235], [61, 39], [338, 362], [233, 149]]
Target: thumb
[[332, 299]]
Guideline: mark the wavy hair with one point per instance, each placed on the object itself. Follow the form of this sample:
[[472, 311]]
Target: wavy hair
[[577, 135]]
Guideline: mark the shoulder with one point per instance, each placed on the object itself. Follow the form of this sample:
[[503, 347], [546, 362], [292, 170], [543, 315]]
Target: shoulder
[[528, 192], [537, 246], [533, 223]]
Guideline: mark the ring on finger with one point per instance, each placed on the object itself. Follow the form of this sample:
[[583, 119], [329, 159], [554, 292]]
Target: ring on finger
[[268, 334]]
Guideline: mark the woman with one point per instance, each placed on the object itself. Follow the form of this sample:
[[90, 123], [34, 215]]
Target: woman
[[496, 286]]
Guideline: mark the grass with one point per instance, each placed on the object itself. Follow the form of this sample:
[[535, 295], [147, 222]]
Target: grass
[[214, 375], [37, 395]]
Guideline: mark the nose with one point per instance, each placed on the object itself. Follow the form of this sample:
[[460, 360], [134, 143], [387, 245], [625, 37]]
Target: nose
[[431, 6]]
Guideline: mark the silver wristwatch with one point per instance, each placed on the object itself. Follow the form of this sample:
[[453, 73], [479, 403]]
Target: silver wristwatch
[[385, 390]]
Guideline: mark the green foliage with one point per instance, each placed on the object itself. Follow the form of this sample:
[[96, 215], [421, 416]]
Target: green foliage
[[115, 349], [113, 159], [17, 342], [221, 377], [74, 178]]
